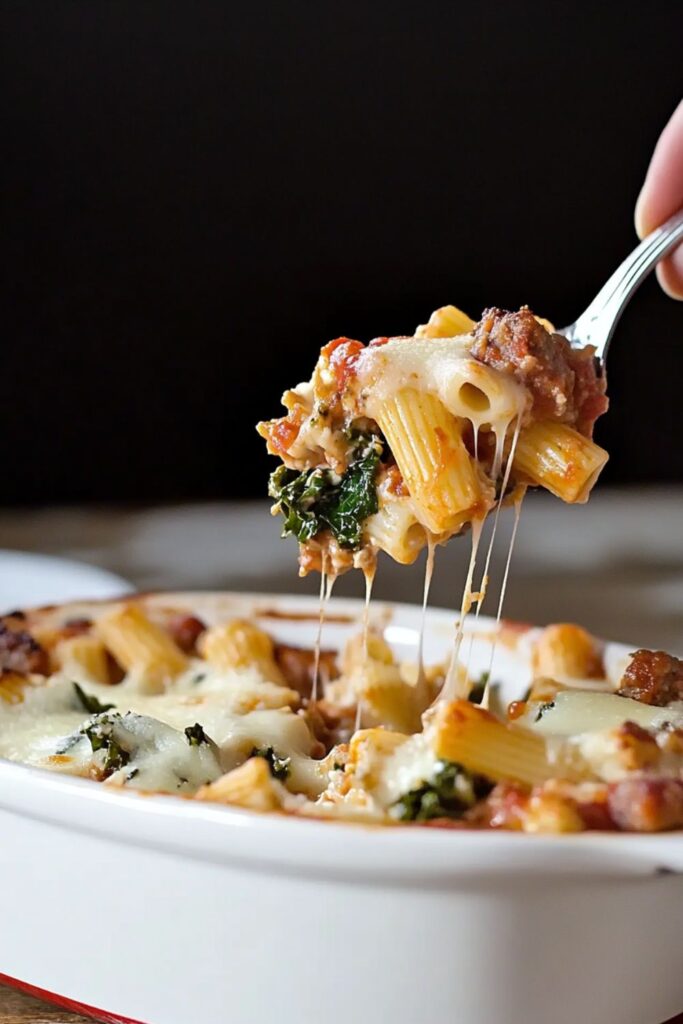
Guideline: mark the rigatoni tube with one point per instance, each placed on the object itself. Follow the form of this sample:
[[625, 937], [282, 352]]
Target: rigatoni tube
[[395, 529], [446, 322], [462, 732], [239, 644], [84, 658], [141, 645], [559, 458], [445, 485]]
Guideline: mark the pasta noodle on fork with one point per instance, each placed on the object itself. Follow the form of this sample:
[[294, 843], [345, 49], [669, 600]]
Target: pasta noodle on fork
[[444, 482], [409, 441], [410, 438], [447, 322], [394, 529], [560, 459]]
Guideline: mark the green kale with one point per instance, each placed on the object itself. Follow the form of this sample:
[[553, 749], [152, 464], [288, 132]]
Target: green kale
[[196, 735], [451, 792], [100, 732], [542, 710], [69, 742], [301, 498], [357, 497], [318, 499], [478, 688], [279, 766], [91, 704]]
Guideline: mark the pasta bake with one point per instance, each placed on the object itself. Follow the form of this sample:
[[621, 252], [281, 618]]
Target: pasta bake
[[394, 446], [178, 695]]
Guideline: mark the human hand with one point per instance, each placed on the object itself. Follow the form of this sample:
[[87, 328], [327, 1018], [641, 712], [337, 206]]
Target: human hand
[[662, 195]]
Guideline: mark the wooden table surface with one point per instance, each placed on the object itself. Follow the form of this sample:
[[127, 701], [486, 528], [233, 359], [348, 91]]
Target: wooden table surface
[[16, 1008], [20, 1009]]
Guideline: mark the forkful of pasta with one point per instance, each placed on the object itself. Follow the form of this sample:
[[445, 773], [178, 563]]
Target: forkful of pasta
[[406, 441]]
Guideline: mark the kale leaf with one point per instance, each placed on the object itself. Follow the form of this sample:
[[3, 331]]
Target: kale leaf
[[357, 497], [318, 499], [548, 706], [91, 704], [279, 766], [301, 498], [100, 732], [196, 735], [451, 792], [478, 688]]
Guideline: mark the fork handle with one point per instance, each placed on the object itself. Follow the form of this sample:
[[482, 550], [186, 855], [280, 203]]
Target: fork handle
[[596, 324]]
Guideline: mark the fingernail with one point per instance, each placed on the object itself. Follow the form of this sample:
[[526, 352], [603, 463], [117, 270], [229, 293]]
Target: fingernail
[[639, 218]]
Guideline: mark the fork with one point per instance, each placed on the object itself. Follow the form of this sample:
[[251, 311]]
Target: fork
[[596, 324]]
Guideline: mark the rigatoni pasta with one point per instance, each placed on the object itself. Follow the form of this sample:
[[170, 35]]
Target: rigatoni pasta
[[468, 735], [83, 657], [447, 322], [457, 416], [240, 645], [372, 680], [566, 651], [138, 643], [13, 686], [380, 743], [395, 530], [560, 459], [440, 474], [250, 786]]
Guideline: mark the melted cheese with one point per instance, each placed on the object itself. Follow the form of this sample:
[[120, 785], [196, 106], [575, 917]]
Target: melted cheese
[[161, 758], [573, 712], [39, 730], [409, 767], [470, 390], [445, 368], [381, 775]]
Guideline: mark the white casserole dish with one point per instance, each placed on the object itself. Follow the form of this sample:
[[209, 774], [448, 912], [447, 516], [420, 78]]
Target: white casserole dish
[[164, 911]]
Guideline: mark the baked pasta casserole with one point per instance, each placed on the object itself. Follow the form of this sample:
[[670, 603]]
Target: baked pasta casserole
[[392, 446], [173, 695]]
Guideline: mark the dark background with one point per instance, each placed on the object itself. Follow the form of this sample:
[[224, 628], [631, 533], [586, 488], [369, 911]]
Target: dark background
[[198, 195]]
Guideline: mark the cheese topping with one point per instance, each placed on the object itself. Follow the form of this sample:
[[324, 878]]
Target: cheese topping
[[44, 729], [573, 712], [445, 368]]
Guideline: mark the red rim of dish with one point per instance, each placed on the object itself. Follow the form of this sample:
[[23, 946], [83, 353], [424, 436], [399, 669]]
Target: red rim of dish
[[109, 1018], [65, 1003]]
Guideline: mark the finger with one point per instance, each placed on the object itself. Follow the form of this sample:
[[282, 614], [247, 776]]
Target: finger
[[662, 192], [662, 195], [670, 274]]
